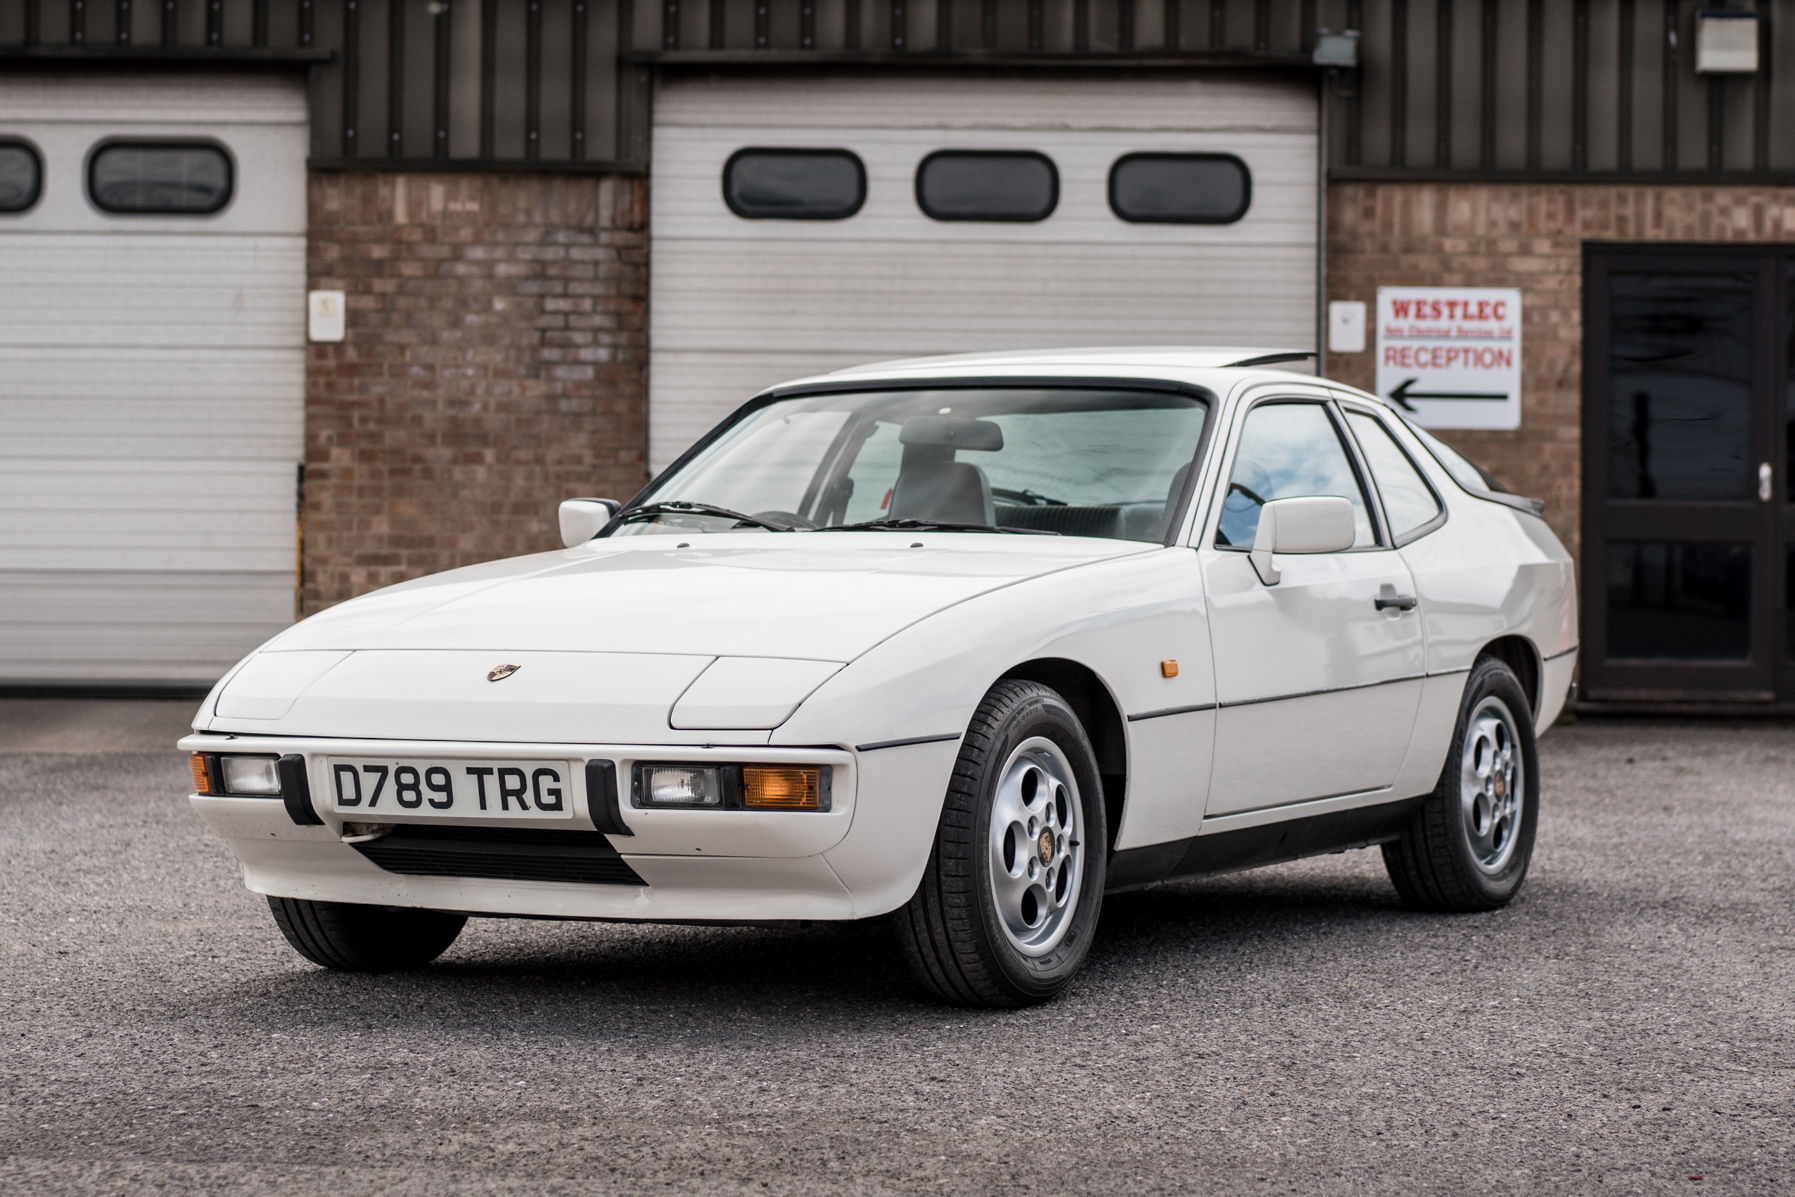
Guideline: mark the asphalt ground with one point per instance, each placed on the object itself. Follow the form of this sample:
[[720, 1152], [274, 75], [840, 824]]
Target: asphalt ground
[[1624, 1027]]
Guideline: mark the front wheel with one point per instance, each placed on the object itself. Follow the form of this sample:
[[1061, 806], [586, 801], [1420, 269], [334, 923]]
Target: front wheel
[[365, 939], [1468, 847], [1010, 898]]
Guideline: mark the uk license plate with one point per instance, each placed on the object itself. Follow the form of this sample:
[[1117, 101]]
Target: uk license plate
[[364, 788]]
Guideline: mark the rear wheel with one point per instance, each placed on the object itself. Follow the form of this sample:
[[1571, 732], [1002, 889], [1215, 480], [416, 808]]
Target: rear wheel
[[1468, 846], [1010, 898], [365, 939]]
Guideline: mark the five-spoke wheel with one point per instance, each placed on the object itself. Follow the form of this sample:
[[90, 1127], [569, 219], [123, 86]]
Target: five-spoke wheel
[[1489, 785], [1037, 857], [1468, 844], [1008, 903]]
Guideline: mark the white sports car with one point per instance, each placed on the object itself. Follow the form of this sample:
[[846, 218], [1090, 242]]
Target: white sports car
[[967, 642]]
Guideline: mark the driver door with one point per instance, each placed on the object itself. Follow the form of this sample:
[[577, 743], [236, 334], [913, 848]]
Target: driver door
[[1318, 678]]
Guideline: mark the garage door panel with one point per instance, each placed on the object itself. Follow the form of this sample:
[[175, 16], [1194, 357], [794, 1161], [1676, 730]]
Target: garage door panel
[[158, 291], [156, 404], [203, 514], [266, 138], [1226, 100], [239, 597], [138, 626], [756, 295], [152, 384], [689, 165], [713, 384], [736, 305]]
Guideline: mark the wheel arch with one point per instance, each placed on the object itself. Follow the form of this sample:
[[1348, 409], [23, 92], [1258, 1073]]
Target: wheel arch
[[1520, 655], [1096, 708]]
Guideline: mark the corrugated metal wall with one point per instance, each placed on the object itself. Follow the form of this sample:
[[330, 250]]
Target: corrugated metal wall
[[1471, 87], [736, 305]]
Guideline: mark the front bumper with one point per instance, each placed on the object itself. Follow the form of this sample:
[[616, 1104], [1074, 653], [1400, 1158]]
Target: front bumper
[[864, 856]]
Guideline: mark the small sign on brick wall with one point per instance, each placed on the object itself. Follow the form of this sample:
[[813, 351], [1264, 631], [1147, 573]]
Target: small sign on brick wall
[[325, 316], [1451, 356]]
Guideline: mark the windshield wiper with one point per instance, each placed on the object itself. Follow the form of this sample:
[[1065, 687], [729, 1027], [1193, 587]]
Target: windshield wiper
[[681, 507], [912, 525]]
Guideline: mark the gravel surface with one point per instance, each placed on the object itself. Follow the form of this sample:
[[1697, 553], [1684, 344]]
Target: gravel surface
[[1624, 1027]]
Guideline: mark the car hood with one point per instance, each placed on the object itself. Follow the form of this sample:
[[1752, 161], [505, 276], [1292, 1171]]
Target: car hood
[[822, 597]]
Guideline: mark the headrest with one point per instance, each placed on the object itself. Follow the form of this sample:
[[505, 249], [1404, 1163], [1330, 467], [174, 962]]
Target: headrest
[[952, 432]]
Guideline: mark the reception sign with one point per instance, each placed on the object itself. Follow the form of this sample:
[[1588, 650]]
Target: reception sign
[[1450, 357]]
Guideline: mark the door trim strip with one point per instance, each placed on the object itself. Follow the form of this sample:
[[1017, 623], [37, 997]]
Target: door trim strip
[[1235, 820], [1249, 702], [906, 743], [1164, 711]]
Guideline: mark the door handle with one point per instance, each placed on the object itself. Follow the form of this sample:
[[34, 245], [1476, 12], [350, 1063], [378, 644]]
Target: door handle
[[1388, 598], [1766, 479]]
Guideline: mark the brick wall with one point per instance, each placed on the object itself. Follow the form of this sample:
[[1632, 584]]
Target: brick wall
[[1531, 237], [494, 364]]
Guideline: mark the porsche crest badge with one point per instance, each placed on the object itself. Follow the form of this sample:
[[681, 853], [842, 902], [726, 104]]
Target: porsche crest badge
[[502, 672]]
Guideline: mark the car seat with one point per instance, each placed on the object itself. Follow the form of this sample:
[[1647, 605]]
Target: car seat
[[953, 491]]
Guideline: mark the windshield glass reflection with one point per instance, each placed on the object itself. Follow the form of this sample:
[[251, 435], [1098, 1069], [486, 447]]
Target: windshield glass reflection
[[1065, 461]]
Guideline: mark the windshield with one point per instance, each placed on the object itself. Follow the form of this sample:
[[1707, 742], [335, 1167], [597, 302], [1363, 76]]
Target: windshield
[[1065, 460]]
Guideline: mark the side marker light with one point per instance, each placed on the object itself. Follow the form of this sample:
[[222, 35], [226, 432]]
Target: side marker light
[[202, 784], [1168, 669]]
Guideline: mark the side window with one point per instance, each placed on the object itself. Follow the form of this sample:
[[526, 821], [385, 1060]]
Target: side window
[[794, 184], [164, 178], [21, 176], [1180, 188], [1408, 501], [1001, 185], [1287, 451]]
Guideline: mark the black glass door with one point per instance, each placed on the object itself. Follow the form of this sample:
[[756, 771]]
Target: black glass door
[[1686, 443]]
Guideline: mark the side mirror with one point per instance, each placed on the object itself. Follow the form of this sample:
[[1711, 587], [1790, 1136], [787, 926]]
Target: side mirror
[[1312, 524], [582, 519]]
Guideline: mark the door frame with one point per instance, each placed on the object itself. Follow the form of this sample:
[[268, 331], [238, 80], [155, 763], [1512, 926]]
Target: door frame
[[1763, 678]]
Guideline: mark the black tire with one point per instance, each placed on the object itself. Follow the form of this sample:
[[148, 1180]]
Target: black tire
[[1435, 865], [951, 931], [365, 939]]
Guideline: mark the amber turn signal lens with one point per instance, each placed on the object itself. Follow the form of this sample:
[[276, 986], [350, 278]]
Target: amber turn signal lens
[[1168, 669], [202, 784], [782, 787]]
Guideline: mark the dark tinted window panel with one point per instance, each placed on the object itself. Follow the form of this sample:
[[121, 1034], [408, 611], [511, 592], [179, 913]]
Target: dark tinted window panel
[[1789, 396], [1679, 602], [1679, 405], [773, 184], [21, 176], [1012, 185], [160, 178], [1180, 188], [1789, 604]]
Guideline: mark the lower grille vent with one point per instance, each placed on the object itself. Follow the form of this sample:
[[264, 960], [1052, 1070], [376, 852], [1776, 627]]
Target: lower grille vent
[[500, 853]]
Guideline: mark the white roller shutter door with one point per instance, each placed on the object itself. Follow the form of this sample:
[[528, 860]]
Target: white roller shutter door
[[737, 305], [152, 388]]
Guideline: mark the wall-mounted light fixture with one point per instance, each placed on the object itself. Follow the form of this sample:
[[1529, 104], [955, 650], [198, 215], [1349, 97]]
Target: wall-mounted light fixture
[[1337, 48], [1726, 42]]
